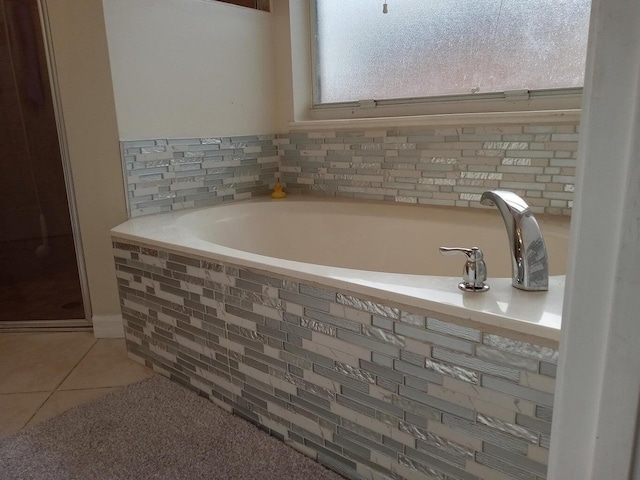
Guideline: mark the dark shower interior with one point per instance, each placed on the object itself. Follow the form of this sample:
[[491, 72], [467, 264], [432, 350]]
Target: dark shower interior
[[38, 269]]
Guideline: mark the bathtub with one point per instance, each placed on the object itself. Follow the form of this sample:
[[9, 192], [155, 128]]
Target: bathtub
[[336, 326], [372, 248]]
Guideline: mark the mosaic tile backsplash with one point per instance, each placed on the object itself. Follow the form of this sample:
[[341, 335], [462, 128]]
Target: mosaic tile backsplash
[[372, 391], [164, 175], [438, 166]]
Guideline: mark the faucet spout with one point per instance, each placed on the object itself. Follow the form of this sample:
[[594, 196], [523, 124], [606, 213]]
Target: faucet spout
[[528, 251]]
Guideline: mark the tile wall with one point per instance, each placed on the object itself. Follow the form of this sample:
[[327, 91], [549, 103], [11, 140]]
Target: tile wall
[[371, 390], [440, 166], [163, 175]]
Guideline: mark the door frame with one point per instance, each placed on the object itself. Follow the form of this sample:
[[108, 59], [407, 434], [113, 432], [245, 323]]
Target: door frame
[[68, 324]]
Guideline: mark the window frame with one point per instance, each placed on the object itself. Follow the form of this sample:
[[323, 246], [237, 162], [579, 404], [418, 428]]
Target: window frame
[[543, 100], [262, 5]]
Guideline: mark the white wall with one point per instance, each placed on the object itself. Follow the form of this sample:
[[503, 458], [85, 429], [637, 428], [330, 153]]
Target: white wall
[[180, 68], [189, 68], [280, 24], [86, 94], [596, 407], [293, 73]]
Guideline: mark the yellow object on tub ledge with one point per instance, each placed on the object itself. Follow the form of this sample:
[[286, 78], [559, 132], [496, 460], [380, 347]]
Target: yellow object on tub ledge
[[277, 191]]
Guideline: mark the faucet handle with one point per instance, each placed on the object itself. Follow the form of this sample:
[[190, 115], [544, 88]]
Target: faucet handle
[[474, 272], [473, 253]]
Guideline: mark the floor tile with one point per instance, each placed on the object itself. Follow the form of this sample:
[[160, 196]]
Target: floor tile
[[106, 365], [16, 409], [60, 401], [38, 362]]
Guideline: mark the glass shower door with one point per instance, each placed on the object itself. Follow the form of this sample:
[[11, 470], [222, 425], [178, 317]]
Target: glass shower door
[[39, 277]]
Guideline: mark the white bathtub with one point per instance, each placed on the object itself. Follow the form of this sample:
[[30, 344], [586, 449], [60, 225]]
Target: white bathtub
[[386, 251]]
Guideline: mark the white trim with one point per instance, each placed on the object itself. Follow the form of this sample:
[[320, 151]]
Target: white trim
[[73, 325], [596, 402], [65, 156], [568, 99], [458, 119], [108, 326], [300, 48]]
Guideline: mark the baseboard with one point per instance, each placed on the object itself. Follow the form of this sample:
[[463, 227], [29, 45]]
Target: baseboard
[[108, 326]]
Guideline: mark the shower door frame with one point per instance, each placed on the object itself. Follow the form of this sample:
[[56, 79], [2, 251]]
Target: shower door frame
[[70, 324]]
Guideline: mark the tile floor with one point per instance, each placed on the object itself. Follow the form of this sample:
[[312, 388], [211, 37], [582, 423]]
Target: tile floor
[[44, 374]]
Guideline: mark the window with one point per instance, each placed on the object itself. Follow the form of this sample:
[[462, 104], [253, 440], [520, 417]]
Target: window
[[467, 49], [257, 4]]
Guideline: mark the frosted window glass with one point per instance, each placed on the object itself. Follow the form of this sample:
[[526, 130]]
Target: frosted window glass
[[427, 48]]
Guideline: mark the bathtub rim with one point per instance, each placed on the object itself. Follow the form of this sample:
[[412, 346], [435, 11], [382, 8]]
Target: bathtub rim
[[529, 313], [392, 211]]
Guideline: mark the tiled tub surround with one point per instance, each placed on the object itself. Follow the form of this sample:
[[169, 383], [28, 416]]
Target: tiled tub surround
[[371, 389], [436, 165], [373, 248], [428, 165], [163, 175]]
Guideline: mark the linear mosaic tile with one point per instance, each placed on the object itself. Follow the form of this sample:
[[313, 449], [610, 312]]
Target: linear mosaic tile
[[521, 348], [505, 467], [506, 427], [349, 393], [373, 445], [413, 358], [474, 363], [164, 175], [434, 338], [430, 473], [453, 329], [506, 358], [453, 371], [455, 458], [515, 459], [437, 166]]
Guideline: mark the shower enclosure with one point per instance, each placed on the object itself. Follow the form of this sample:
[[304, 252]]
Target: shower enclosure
[[40, 283]]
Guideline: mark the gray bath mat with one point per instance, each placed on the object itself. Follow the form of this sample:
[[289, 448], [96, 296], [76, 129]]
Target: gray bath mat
[[152, 429]]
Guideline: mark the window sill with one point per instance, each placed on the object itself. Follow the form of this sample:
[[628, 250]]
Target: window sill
[[449, 119]]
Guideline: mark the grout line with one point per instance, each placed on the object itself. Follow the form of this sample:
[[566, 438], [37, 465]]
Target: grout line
[[23, 393], [61, 382], [90, 388]]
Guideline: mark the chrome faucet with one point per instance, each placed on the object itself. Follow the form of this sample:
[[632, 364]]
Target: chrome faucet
[[474, 273], [528, 251]]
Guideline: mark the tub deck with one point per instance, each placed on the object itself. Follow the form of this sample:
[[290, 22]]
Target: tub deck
[[534, 313]]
